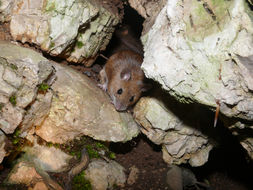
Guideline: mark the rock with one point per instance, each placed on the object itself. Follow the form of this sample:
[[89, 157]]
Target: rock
[[39, 186], [23, 173], [22, 71], [49, 159], [104, 175], [6, 7], [133, 175], [148, 10], [27, 173], [176, 127], [80, 108], [3, 152], [243, 133], [72, 29], [182, 178], [174, 178], [192, 53]]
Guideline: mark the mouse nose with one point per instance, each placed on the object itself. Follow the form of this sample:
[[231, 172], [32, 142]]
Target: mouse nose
[[120, 107]]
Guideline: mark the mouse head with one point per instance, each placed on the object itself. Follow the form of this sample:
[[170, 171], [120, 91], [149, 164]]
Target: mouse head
[[127, 89]]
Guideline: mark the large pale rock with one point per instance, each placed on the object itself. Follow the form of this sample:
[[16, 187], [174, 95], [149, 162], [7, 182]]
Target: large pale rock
[[192, 51], [72, 29], [25, 172], [104, 175], [49, 159], [176, 127], [6, 7], [21, 72], [148, 9], [2, 146], [79, 108]]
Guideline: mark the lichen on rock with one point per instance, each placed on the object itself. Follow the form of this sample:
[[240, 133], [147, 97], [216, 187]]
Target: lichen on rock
[[73, 29]]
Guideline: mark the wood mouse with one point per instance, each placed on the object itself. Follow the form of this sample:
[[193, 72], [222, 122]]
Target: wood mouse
[[123, 79]]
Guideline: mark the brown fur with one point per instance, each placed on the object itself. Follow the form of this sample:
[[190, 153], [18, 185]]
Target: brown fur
[[122, 71]]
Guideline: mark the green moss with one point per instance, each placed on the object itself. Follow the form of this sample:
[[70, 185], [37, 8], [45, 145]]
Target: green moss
[[112, 155], [100, 145], [206, 19], [13, 100], [43, 87], [80, 183], [14, 67], [50, 6], [52, 44], [79, 44], [92, 152]]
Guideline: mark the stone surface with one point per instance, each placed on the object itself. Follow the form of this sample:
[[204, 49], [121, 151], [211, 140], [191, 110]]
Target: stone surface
[[176, 127], [21, 72], [6, 7], [2, 146], [148, 10], [194, 57], [79, 108], [23, 173], [49, 159], [26, 172], [73, 29], [104, 175]]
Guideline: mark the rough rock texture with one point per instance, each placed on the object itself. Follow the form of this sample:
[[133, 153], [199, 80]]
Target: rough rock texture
[[200, 64], [164, 123], [2, 146], [148, 10], [105, 174], [22, 71], [79, 108], [72, 29], [197, 50], [6, 7], [28, 173], [49, 159]]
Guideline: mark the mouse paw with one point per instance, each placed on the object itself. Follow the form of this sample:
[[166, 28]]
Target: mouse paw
[[103, 86]]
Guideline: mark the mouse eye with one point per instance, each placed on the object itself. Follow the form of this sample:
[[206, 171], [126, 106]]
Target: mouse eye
[[131, 99], [120, 91]]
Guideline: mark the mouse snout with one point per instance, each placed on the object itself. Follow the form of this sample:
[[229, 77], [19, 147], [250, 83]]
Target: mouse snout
[[120, 107], [117, 104]]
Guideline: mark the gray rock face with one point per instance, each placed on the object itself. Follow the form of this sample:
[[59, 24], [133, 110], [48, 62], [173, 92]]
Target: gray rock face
[[2, 146], [79, 108], [25, 172], [49, 159], [21, 72], [6, 7], [194, 57], [205, 57], [176, 128], [104, 175], [73, 29]]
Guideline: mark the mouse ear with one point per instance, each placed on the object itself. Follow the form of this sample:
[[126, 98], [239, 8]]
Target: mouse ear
[[125, 74]]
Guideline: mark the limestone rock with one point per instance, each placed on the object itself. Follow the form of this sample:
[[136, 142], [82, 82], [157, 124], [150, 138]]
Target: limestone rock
[[193, 52], [21, 72], [49, 159], [176, 127], [2, 146], [148, 10], [6, 7], [25, 172], [72, 29], [79, 108], [103, 175]]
